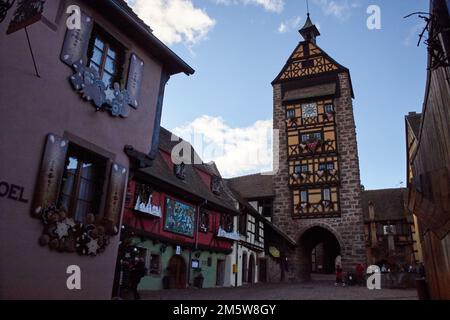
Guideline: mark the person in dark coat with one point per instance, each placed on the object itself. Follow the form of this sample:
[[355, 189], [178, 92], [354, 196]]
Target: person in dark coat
[[137, 272]]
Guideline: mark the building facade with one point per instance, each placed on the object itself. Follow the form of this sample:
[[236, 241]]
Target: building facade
[[389, 229], [96, 88], [317, 184], [429, 191], [179, 215], [412, 130], [249, 250]]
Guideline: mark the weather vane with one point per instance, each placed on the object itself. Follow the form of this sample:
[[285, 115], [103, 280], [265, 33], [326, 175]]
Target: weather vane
[[307, 6]]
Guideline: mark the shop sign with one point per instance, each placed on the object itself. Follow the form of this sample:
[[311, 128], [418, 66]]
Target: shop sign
[[12, 191], [228, 235]]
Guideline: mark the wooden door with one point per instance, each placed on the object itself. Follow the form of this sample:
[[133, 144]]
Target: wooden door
[[177, 273], [251, 269], [220, 272], [244, 267], [262, 270]]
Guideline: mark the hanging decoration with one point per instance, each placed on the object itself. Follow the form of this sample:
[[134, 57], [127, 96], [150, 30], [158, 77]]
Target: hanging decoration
[[144, 201], [327, 204], [5, 5], [291, 122], [63, 234], [314, 144], [87, 81], [27, 13]]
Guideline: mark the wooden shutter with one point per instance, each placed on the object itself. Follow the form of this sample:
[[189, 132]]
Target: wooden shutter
[[76, 42], [135, 73], [50, 174], [115, 196]]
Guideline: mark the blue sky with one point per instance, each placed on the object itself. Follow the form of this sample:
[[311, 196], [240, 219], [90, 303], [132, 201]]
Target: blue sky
[[237, 49]]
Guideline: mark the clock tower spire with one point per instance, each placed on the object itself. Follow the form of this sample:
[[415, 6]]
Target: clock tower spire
[[309, 31]]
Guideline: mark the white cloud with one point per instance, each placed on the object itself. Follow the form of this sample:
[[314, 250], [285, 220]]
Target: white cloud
[[236, 151], [269, 5], [289, 25], [340, 9], [174, 21]]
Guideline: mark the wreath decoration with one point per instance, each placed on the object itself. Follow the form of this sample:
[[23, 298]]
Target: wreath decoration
[[63, 234]]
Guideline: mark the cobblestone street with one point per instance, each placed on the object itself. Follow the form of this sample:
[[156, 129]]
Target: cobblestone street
[[314, 290]]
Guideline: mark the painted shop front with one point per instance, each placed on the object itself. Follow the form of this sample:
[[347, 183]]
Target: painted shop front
[[64, 126], [181, 226]]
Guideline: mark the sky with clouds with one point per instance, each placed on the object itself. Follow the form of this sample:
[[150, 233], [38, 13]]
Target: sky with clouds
[[237, 47]]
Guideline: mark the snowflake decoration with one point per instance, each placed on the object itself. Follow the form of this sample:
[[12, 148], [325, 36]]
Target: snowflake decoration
[[69, 222], [87, 81], [92, 246], [62, 230], [118, 101]]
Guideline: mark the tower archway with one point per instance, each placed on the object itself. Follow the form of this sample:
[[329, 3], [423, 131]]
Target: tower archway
[[318, 249]]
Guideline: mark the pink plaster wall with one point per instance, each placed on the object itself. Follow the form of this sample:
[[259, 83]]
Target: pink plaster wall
[[31, 108]]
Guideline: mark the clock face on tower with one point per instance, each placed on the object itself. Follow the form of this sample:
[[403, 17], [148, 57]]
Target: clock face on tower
[[309, 110]]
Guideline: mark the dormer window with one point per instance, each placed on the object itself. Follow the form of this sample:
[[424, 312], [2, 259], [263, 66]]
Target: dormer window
[[107, 56], [215, 185], [180, 171]]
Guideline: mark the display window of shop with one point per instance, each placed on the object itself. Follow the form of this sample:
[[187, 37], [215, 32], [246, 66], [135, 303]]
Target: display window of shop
[[78, 195], [82, 183], [154, 264]]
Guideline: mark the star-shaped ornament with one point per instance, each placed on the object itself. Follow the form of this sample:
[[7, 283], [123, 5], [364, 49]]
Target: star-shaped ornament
[[92, 246], [61, 230], [69, 222]]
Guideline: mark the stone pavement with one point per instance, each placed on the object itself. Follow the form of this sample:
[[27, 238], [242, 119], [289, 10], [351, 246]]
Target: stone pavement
[[318, 289]]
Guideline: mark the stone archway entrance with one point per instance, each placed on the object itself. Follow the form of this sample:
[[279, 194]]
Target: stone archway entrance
[[318, 249]]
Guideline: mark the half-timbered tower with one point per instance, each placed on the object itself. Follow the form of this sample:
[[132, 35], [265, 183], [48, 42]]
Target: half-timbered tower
[[317, 186]]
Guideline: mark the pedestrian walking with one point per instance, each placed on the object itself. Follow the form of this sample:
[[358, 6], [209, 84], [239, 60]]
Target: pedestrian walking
[[339, 276], [359, 273], [137, 272]]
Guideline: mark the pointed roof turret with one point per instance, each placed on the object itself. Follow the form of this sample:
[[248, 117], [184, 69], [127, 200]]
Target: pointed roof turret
[[309, 31]]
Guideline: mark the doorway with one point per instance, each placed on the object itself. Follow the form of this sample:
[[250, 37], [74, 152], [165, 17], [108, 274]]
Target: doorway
[[177, 273], [251, 269], [220, 272], [262, 274], [244, 267]]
